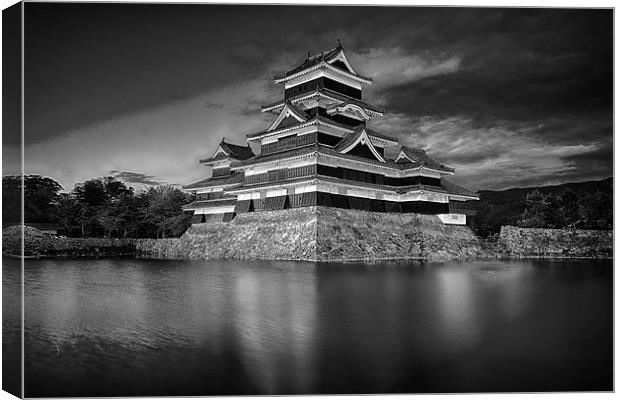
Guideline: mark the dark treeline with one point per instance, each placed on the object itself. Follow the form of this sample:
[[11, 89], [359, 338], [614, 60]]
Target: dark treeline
[[580, 205], [97, 207], [567, 210]]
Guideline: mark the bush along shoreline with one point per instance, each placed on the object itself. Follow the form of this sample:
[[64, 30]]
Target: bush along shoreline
[[42, 245]]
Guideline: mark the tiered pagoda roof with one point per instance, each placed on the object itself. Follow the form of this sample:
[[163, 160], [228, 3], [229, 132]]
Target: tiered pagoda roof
[[319, 144], [422, 159], [226, 180], [333, 57], [316, 119], [445, 186], [418, 157], [229, 151], [325, 93]]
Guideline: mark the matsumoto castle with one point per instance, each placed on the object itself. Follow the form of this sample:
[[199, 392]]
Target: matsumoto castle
[[319, 151]]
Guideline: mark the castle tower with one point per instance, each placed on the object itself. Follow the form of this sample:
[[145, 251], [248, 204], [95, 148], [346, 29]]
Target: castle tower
[[319, 151]]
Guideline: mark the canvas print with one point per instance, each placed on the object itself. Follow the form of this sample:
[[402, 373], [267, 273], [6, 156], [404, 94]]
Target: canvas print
[[213, 200]]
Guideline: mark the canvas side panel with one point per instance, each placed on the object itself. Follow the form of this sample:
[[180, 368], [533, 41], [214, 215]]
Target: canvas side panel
[[11, 196]]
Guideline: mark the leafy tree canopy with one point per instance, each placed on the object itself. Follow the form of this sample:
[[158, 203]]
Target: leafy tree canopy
[[41, 195]]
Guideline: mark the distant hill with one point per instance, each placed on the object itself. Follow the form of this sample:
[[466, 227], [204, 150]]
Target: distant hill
[[504, 207]]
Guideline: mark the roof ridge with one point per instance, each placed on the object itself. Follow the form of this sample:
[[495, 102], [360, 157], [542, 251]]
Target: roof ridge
[[323, 57], [295, 109], [232, 144], [328, 92], [324, 52]]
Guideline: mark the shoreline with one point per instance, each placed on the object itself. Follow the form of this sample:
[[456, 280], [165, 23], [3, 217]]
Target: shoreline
[[325, 235], [342, 261]]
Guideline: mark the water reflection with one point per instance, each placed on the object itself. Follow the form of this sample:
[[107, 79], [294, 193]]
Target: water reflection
[[459, 325], [274, 317], [148, 327]]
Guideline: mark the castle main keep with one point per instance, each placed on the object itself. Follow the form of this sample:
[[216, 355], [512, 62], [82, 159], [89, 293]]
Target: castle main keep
[[320, 151]]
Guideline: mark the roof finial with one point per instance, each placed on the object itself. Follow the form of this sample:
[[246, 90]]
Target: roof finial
[[308, 56], [339, 42]]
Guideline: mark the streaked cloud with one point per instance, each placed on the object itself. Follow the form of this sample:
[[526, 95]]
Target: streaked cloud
[[499, 156], [508, 96], [394, 66], [136, 178]]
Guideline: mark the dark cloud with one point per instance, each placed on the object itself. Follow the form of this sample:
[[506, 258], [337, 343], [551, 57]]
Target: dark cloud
[[96, 61], [594, 164], [484, 83], [135, 177], [518, 65]]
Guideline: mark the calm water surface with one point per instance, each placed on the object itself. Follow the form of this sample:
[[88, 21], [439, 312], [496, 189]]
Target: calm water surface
[[150, 327]]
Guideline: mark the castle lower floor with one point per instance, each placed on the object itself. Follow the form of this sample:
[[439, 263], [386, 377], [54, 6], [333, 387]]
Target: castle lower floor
[[226, 209]]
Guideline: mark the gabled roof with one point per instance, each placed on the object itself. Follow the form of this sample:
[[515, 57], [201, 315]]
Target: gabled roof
[[331, 57], [298, 151], [316, 119], [358, 138], [388, 162], [289, 115], [349, 108], [373, 133], [330, 151], [417, 158], [237, 152], [325, 93], [226, 180], [228, 150]]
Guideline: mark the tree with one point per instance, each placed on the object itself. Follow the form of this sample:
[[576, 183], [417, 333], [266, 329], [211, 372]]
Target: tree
[[569, 208], [99, 204], [67, 211], [596, 210], [41, 195], [165, 210], [119, 214], [11, 198], [536, 211]]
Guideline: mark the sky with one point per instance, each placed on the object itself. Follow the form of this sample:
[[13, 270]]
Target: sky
[[508, 97]]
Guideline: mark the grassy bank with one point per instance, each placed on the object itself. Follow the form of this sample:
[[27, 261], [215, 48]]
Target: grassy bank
[[37, 243]]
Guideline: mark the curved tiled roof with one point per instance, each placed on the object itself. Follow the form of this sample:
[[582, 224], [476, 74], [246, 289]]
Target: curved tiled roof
[[323, 149], [235, 177], [445, 188], [237, 152], [312, 120], [380, 135], [348, 139], [351, 100], [388, 163], [290, 120], [232, 151], [456, 189], [311, 61], [351, 138], [419, 157], [309, 148], [326, 55], [329, 93]]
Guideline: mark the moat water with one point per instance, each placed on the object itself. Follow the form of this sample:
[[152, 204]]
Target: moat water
[[149, 327]]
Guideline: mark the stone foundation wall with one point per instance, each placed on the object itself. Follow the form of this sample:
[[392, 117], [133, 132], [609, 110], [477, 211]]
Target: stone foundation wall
[[320, 234], [535, 242], [350, 235], [284, 234]]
